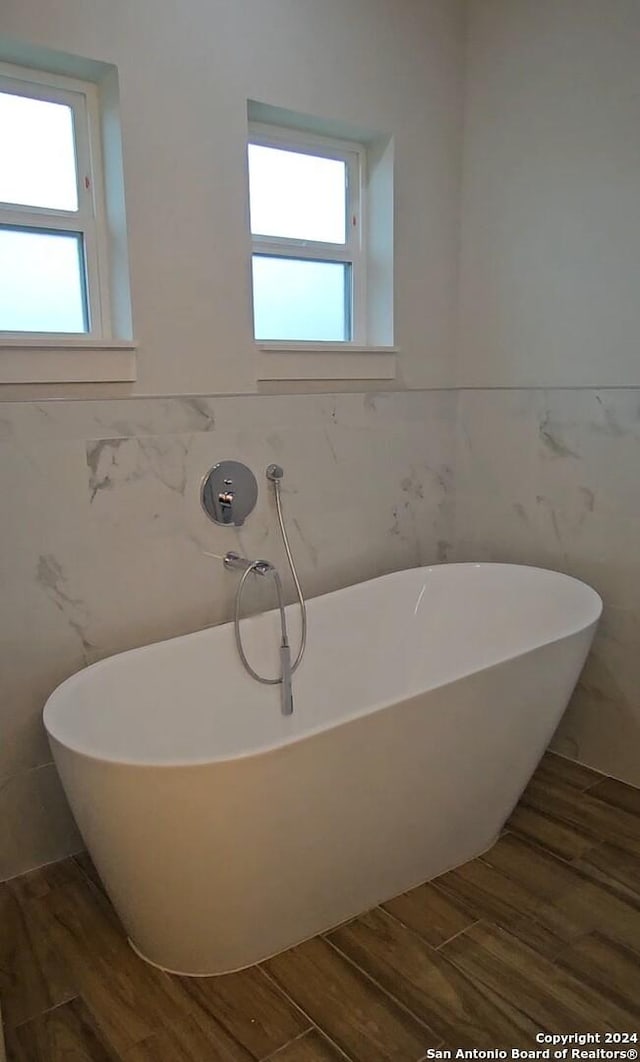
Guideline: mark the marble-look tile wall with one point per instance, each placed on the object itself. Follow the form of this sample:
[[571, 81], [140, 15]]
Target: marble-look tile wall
[[103, 539], [553, 478]]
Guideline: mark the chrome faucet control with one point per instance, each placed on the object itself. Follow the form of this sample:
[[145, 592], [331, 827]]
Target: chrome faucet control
[[225, 500], [233, 562], [229, 493]]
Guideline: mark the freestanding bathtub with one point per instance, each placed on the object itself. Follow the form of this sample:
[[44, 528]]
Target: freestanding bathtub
[[225, 832]]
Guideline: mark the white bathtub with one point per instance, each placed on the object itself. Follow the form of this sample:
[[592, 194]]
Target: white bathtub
[[226, 832]]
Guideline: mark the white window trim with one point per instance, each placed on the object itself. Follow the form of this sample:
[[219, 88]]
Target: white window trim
[[89, 219], [282, 360], [352, 251]]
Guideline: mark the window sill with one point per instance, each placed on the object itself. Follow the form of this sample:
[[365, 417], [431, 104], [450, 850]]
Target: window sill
[[32, 359], [325, 361]]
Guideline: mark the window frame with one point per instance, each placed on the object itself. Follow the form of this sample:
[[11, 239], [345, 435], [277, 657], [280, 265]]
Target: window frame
[[351, 253], [88, 221]]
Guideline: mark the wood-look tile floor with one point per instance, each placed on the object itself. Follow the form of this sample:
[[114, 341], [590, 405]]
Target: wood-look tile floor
[[542, 933]]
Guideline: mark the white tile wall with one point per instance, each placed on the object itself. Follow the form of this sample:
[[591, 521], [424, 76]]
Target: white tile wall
[[103, 538], [553, 478]]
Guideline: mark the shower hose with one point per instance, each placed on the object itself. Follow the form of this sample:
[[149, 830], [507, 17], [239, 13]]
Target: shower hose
[[274, 475]]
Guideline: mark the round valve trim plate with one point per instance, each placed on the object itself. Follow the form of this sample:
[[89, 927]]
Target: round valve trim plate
[[229, 493]]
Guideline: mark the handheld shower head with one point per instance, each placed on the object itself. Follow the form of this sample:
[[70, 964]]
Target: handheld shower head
[[274, 473]]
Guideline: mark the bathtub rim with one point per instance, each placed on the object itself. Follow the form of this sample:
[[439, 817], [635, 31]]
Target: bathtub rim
[[282, 742], [312, 732]]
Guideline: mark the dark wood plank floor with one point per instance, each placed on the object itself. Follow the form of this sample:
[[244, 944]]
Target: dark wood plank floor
[[542, 933]]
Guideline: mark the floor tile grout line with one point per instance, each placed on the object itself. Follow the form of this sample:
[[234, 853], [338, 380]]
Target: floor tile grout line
[[595, 844], [458, 934], [598, 781], [608, 803], [605, 804], [533, 843], [608, 885], [492, 988], [387, 993], [586, 981], [85, 874], [423, 940], [606, 882], [512, 931], [548, 816], [583, 980], [451, 897], [585, 877], [197, 1007], [519, 836], [313, 1024], [96, 889], [566, 823], [579, 789], [567, 972], [281, 991], [600, 775], [40, 1014], [553, 961], [436, 947], [461, 971], [597, 839], [283, 1047]]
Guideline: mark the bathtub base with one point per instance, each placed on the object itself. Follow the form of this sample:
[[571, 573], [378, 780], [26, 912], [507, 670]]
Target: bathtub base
[[295, 943], [167, 969]]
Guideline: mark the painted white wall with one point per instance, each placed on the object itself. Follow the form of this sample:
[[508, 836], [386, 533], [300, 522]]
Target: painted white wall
[[551, 194], [186, 69], [549, 297]]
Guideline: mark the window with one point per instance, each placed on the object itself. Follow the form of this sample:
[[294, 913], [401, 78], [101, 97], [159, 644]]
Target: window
[[305, 198], [53, 268]]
